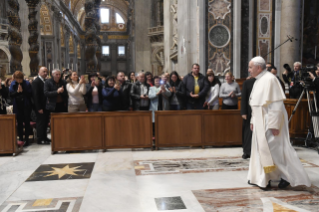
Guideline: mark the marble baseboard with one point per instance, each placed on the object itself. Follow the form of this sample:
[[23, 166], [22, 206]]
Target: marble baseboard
[[194, 165], [299, 199]]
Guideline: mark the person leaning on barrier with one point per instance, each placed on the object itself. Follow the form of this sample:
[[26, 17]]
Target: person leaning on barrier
[[196, 88], [230, 92], [212, 101], [111, 95], [21, 94], [177, 89], [42, 115], [76, 89], [56, 93], [93, 94], [125, 90], [139, 93], [3, 97]]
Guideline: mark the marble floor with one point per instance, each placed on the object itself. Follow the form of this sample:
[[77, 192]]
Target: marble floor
[[140, 180]]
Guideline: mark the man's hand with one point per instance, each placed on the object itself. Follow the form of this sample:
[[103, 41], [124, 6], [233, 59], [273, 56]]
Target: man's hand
[[40, 111], [194, 95], [311, 75], [61, 90], [159, 92], [244, 117], [251, 127], [171, 89], [205, 104], [117, 86], [231, 94], [275, 132], [93, 84]]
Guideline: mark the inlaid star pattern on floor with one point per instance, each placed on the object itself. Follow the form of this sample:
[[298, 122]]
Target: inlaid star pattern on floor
[[65, 170], [62, 172]]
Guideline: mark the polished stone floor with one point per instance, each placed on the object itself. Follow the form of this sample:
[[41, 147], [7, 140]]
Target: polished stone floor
[[140, 180]]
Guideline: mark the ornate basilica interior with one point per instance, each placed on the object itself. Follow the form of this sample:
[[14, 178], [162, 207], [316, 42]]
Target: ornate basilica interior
[[151, 35]]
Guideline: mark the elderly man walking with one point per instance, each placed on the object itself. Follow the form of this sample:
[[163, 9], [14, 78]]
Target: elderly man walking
[[272, 156]]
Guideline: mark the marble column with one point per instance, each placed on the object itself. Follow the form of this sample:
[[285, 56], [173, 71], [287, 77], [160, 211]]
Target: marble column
[[142, 42], [202, 7], [168, 16], [67, 34], [237, 39], [251, 29], [187, 35], [290, 25], [277, 35]]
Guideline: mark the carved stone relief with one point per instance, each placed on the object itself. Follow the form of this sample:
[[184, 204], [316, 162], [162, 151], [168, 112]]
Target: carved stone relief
[[219, 63], [219, 8]]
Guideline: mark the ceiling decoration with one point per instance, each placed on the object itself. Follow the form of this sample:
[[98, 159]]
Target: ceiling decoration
[[45, 21]]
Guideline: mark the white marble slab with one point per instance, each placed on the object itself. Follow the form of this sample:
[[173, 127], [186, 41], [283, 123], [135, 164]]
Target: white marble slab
[[50, 189], [114, 161], [71, 158], [116, 191]]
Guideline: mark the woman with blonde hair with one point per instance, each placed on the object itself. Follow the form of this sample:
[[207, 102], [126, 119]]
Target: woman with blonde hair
[[230, 92], [76, 89]]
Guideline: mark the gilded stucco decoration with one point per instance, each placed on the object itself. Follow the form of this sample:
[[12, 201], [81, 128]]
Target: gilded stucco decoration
[[45, 21]]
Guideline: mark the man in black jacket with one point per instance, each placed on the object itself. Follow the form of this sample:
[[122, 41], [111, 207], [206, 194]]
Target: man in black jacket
[[3, 97], [56, 94], [196, 88], [246, 115], [39, 104], [125, 90], [139, 93]]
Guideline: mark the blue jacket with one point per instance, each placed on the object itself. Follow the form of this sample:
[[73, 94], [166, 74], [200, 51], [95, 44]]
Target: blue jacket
[[25, 96], [111, 99]]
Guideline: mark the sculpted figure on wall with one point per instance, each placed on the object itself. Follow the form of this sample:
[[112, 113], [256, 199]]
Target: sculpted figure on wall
[[174, 8]]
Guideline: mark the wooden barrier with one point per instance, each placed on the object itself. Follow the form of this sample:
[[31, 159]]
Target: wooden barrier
[[300, 122], [8, 135], [198, 128], [89, 131]]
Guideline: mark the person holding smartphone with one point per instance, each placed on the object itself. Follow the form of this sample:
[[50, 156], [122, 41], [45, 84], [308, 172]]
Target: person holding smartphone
[[76, 89]]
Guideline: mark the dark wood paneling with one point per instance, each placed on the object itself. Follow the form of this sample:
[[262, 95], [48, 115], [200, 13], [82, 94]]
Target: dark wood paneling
[[88, 131], [222, 128], [182, 128], [8, 134], [76, 131], [128, 129], [300, 122]]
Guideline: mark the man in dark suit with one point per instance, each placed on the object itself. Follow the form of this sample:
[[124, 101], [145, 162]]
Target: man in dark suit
[[274, 72], [246, 115], [39, 104]]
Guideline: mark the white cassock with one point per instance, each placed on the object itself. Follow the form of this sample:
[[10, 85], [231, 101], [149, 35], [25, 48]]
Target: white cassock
[[272, 157]]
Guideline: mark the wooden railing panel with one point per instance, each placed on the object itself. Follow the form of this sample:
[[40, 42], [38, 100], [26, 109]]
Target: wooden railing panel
[[8, 134], [222, 128], [182, 128], [76, 131], [128, 129]]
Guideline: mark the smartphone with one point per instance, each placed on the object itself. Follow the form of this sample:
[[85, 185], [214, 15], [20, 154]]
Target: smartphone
[[162, 82]]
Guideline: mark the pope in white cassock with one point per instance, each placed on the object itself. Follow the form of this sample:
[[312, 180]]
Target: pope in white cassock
[[272, 156]]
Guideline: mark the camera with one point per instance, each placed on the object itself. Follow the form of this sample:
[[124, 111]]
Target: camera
[[305, 76], [162, 82]]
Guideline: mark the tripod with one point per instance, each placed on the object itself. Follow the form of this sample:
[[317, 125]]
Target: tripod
[[314, 117]]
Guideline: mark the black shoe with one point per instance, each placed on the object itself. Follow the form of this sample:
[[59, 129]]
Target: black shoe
[[283, 184], [245, 156], [266, 188], [26, 143], [49, 140]]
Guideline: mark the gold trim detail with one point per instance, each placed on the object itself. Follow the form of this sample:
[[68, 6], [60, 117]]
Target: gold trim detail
[[269, 169]]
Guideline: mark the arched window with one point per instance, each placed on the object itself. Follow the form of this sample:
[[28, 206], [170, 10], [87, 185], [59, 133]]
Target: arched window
[[119, 19]]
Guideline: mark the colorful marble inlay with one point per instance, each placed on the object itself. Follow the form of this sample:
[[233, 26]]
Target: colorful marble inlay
[[195, 165], [62, 172], [299, 199], [71, 204]]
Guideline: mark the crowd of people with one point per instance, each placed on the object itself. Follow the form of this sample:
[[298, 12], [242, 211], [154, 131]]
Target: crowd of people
[[65, 91]]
